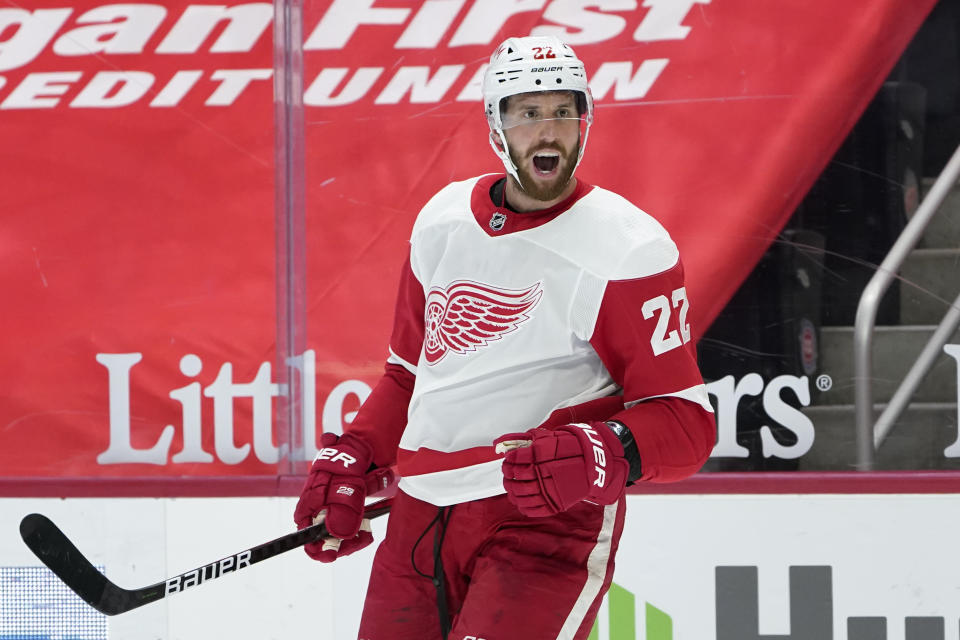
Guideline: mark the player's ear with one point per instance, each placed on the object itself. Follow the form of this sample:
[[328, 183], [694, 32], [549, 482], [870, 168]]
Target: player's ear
[[496, 139]]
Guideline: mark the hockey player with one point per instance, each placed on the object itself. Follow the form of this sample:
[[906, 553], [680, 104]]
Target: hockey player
[[540, 362]]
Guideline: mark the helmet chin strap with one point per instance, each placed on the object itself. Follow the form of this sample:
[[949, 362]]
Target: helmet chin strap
[[503, 153]]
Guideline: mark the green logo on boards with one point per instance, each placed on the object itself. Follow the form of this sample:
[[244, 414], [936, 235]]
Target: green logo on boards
[[622, 621]]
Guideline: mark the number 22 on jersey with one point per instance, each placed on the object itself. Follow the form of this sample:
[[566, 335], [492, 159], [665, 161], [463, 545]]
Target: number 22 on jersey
[[662, 340]]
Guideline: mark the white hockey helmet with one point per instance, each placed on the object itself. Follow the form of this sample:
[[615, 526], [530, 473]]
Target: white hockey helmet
[[527, 65]]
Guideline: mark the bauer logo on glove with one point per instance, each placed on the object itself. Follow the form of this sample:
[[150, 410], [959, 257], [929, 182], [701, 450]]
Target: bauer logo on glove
[[599, 455], [335, 455]]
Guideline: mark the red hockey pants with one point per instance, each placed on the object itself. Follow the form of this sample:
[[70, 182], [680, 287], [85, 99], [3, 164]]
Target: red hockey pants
[[507, 576]]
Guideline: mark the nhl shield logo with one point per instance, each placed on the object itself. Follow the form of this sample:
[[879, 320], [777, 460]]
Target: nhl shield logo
[[498, 220]]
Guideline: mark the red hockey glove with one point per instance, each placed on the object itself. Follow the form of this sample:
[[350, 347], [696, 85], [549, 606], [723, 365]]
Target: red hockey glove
[[334, 493], [548, 470]]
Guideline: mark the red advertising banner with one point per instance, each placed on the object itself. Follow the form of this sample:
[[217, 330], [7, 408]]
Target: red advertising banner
[[137, 236]]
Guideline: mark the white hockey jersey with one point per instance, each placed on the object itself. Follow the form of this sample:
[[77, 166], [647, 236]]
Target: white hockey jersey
[[507, 321]]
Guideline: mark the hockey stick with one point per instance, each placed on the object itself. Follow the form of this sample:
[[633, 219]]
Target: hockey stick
[[56, 551]]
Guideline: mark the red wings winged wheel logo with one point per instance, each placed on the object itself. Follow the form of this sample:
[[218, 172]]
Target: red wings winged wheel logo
[[468, 315]]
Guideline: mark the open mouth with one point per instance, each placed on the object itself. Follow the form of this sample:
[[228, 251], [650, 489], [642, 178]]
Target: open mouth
[[545, 162]]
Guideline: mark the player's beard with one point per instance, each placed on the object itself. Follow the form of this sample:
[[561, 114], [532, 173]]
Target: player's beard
[[540, 190]]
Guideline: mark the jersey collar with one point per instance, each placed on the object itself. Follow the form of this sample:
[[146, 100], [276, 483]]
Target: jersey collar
[[498, 221]]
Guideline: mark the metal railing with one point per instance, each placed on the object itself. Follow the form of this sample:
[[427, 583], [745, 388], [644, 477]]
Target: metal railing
[[869, 434]]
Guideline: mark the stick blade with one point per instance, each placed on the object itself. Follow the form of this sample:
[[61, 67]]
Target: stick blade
[[55, 550]]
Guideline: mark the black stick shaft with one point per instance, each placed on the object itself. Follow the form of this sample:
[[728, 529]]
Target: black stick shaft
[[56, 551]]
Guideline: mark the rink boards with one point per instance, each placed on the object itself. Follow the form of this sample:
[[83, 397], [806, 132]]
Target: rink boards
[[697, 567]]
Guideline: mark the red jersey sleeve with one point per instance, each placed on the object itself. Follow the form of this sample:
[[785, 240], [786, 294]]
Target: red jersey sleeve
[[383, 416], [642, 335]]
